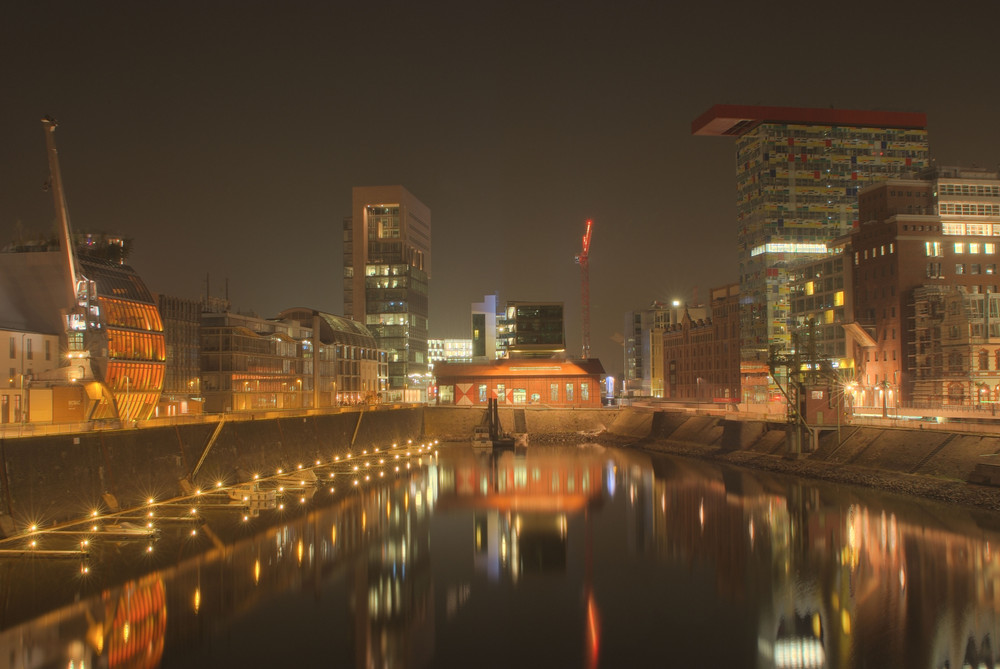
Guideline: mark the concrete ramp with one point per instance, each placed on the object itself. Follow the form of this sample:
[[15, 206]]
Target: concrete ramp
[[738, 435], [961, 455], [772, 442], [706, 430], [851, 448], [899, 450], [520, 424], [632, 423], [665, 423]]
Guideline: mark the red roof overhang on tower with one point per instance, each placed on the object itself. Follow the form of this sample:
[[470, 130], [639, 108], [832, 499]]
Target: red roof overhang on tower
[[735, 120]]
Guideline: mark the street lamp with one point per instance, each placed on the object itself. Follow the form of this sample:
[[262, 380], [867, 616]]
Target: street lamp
[[128, 381], [850, 388], [24, 398]]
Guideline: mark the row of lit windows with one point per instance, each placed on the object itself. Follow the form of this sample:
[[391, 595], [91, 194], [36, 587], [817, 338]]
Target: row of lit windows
[[968, 189], [975, 248], [974, 229], [968, 209], [135, 376], [519, 395], [131, 315], [875, 252], [125, 344]]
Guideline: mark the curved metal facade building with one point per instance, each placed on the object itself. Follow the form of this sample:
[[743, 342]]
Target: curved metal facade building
[[125, 341]]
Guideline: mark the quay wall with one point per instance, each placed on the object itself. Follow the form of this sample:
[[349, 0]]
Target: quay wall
[[62, 476], [934, 451], [47, 479], [456, 423]]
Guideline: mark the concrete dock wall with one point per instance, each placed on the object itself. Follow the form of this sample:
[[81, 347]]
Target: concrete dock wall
[[47, 479], [451, 423], [938, 453], [58, 477]]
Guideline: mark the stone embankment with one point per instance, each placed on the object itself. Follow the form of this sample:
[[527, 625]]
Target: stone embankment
[[923, 462], [57, 477], [928, 461], [47, 479]]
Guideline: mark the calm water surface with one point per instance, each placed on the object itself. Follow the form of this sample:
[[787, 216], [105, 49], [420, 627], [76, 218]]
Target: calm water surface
[[549, 557]]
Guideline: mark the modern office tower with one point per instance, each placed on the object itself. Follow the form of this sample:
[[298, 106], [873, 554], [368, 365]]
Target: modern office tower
[[798, 173], [387, 266], [449, 350], [484, 329], [537, 329]]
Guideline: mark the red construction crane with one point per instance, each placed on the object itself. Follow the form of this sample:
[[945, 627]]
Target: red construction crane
[[584, 261]]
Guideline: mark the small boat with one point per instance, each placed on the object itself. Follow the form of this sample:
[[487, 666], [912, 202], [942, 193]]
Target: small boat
[[481, 438], [489, 433]]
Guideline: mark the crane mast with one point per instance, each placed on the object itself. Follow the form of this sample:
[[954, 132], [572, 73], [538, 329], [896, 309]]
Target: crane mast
[[584, 261], [79, 289], [62, 213]]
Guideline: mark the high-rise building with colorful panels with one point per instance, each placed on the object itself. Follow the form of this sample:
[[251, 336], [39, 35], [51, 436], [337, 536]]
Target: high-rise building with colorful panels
[[798, 172]]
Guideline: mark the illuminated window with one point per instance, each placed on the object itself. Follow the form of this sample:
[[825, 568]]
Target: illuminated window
[[989, 248], [959, 247], [553, 392], [973, 248], [838, 298], [569, 392]]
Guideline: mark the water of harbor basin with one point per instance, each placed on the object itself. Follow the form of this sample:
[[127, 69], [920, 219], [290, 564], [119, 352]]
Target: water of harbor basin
[[550, 556]]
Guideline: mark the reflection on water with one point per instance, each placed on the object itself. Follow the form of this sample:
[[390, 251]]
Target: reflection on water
[[545, 557]]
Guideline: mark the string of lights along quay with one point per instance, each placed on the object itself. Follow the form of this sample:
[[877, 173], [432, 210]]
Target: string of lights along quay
[[253, 497]]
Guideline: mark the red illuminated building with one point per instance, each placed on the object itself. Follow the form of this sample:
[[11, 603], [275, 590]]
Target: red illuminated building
[[553, 383]]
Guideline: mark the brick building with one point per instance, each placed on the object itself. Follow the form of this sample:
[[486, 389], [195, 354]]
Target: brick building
[[701, 357], [532, 381], [938, 229]]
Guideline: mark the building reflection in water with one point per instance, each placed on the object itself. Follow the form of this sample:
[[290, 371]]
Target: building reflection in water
[[835, 582], [830, 577]]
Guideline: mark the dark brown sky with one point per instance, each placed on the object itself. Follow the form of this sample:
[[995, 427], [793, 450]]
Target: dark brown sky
[[225, 137]]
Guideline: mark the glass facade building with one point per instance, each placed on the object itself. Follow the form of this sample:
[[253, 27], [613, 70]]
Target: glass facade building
[[798, 173], [124, 341], [537, 329], [387, 267]]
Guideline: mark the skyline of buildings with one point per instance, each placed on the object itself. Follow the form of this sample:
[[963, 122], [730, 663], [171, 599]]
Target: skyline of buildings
[[802, 176]]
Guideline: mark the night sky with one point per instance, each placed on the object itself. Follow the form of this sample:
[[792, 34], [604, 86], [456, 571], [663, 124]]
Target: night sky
[[225, 137]]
